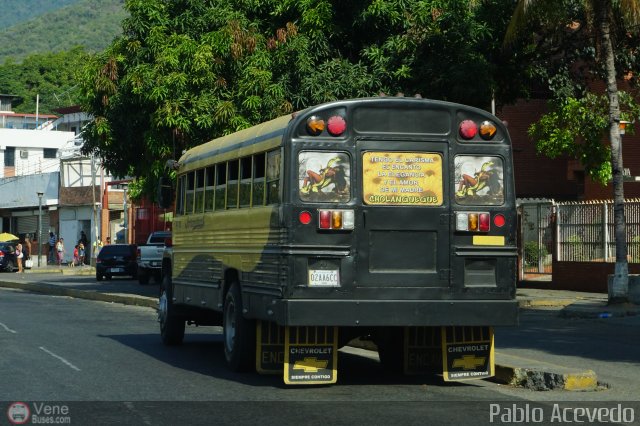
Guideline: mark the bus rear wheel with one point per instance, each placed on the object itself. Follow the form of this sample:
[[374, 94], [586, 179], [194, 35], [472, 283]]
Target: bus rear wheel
[[238, 333], [171, 325]]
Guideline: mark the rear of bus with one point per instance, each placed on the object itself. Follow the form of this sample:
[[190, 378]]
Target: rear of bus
[[402, 213]]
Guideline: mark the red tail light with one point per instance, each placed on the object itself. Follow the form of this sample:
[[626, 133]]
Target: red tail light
[[468, 129]]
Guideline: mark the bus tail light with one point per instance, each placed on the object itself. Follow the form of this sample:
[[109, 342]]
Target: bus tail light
[[336, 219], [473, 221], [499, 220]]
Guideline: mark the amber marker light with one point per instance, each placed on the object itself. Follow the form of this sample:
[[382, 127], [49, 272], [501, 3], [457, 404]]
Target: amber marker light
[[487, 130], [315, 125]]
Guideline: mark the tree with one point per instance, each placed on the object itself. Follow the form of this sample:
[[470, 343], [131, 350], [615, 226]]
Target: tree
[[186, 71], [600, 21], [52, 76]]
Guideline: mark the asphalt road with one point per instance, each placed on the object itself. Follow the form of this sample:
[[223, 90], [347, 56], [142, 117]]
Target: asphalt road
[[70, 350], [106, 362]]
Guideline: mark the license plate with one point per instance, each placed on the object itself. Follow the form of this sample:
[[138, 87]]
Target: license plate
[[116, 270], [324, 278], [155, 263]]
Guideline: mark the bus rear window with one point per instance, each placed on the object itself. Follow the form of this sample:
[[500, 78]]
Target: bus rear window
[[324, 176], [479, 180]]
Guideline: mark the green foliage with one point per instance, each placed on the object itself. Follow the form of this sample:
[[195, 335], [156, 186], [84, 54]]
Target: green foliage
[[91, 24], [534, 252], [184, 72], [579, 128], [52, 76]]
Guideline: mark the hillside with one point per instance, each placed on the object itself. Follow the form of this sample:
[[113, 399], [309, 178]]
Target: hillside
[[18, 11], [89, 23]]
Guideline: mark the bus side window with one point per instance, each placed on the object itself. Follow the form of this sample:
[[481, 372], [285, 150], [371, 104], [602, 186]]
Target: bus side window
[[209, 191], [199, 203], [191, 178], [273, 177], [232, 184], [221, 185], [180, 196], [258, 179], [245, 181]]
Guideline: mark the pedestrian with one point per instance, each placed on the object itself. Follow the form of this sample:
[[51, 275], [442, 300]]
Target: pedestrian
[[76, 257], [52, 248], [19, 257], [60, 250], [27, 247], [80, 248], [85, 243]]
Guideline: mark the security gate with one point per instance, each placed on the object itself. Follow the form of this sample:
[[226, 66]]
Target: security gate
[[537, 238]]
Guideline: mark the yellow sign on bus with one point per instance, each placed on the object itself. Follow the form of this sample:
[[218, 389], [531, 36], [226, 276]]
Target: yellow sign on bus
[[402, 178]]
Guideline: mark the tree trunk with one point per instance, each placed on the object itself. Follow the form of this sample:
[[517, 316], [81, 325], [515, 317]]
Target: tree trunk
[[619, 290]]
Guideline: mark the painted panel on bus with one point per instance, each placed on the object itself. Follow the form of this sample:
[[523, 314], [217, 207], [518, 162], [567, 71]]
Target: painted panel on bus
[[480, 180], [402, 178], [324, 176]]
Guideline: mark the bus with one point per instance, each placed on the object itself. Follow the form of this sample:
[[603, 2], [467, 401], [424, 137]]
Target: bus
[[384, 221]]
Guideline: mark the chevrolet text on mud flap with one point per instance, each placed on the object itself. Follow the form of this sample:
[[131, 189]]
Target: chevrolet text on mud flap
[[380, 218]]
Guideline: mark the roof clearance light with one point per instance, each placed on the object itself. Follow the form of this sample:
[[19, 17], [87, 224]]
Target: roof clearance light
[[336, 125], [499, 220], [305, 217], [468, 129], [487, 130], [315, 125]]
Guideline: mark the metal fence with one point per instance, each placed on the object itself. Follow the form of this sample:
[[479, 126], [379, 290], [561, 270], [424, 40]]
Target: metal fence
[[536, 235], [585, 231]]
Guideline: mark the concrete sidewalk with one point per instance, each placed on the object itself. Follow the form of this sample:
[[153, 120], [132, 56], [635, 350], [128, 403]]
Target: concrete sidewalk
[[533, 372]]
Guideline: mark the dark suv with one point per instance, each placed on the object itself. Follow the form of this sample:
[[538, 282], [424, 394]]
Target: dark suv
[[116, 259], [8, 260]]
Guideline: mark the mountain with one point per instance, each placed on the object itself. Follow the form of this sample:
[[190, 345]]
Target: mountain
[[59, 25], [17, 11]]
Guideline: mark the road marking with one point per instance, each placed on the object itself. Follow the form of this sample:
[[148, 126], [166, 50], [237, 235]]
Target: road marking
[[8, 329], [64, 361]]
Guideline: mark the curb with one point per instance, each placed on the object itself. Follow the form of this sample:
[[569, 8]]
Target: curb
[[542, 376], [125, 299]]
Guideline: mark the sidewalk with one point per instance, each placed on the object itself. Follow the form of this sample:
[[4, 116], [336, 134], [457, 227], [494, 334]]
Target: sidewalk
[[523, 357]]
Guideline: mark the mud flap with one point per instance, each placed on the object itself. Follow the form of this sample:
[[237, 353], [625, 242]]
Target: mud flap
[[422, 350], [311, 355], [269, 347], [467, 353]]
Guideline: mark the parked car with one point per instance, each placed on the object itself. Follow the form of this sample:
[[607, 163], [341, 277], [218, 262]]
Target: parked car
[[8, 260], [150, 257], [116, 259]]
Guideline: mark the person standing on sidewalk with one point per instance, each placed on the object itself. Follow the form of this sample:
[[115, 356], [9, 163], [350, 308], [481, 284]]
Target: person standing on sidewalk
[[60, 250], [19, 257], [52, 248]]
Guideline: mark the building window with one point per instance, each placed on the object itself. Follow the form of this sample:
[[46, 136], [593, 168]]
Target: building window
[[50, 153]]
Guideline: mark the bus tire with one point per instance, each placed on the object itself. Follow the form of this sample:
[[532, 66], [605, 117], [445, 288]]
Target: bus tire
[[171, 325], [390, 342], [238, 333]]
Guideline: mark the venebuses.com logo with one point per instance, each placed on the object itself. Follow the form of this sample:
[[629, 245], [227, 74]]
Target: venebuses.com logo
[[18, 413]]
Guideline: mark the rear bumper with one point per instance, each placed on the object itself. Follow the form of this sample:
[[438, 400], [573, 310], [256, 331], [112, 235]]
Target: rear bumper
[[396, 312]]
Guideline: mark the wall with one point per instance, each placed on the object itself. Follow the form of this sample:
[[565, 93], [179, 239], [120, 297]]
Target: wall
[[589, 277]]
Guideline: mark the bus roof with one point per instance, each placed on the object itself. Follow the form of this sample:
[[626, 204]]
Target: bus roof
[[251, 140]]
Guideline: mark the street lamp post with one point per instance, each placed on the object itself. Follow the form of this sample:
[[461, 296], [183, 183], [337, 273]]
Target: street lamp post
[[40, 194]]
